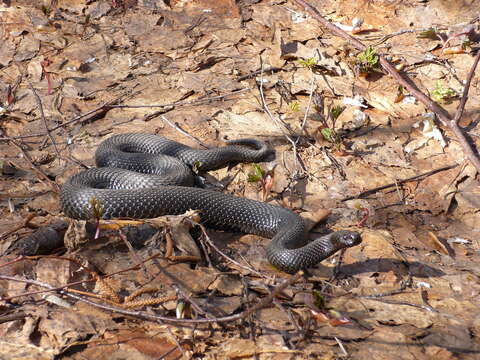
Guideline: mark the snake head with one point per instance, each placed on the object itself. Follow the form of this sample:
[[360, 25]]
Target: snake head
[[345, 239]]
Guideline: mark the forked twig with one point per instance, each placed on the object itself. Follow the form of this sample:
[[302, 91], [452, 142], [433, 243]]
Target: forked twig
[[183, 132], [163, 319], [213, 246], [402, 181], [279, 122], [44, 119], [191, 102], [85, 116], [442, 114], [466, 88], [41, 174]]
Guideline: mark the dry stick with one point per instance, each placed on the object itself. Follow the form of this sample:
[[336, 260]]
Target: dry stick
[[192, 302], [135, 257], [162, 319], [279, 122], [110, 105], [177, 103], [408, 84], [183, 132], [393, 302], [23, 258], [75, 119], [18, 227], [213, 246], [134, 267], [391, 35], [44, 119], [441, 113], [466, 88], [59, 288], [312, 85], [420, 176], [177, 343], [17, 195], [256, 72], [344, 352], [276, 121], [12, 317], [37, 169], [401, 290]]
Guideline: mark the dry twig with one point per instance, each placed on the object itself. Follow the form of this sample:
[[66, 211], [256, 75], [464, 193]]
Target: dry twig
[[407, 83], [135, 257], [23, 224], [163, 319], [183, 132], [280, 123], [41, 174], [44, 119], [396, 183], [200, 100], [85, 116], [213, 246]]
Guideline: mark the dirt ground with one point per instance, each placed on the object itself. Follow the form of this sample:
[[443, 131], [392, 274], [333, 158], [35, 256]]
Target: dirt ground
[[354, 150]]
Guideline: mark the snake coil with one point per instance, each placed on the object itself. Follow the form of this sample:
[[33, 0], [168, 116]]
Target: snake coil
[[145, 176]]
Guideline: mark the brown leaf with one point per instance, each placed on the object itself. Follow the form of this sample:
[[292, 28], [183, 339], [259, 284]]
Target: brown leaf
[[320, 316], [437, 244], [148, 345]]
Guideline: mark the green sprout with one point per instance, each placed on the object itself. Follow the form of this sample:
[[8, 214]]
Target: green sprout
[[180, 309], [428, 34], [336, 111], [97, 213], [443, 93], [264, 177], [257, 174], [467, 44], [328, 134], [197, 166], [319, 300], [294, 106], [368, 60], [309, 63], [46, 10], [97, 208]]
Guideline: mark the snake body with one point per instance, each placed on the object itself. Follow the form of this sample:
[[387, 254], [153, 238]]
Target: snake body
[[145, 176]]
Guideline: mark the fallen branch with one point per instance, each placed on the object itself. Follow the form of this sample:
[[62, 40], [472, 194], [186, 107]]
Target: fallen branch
[[396, 183], [42, 116], [163, 319], [410, 86], [85, 116], [42, 176], [222, 254], [284, 127], [183, 132], [191, 102], [93, 277], [23, 224]]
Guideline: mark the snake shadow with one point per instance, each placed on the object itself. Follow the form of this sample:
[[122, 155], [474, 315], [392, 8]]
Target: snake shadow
[[398, 267]]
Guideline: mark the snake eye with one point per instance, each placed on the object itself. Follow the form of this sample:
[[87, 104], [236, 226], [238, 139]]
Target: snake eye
[[354, 238], [349, 238]]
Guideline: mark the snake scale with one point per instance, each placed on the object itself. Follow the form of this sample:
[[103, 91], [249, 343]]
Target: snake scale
[[145, 176]]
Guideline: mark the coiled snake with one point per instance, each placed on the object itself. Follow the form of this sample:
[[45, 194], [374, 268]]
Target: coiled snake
[[145, 176]]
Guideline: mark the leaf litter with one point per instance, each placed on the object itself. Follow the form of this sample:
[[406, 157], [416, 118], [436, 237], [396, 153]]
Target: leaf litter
[[203, 71]]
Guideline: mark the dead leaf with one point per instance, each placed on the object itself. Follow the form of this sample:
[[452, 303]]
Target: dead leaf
[[437, 244]]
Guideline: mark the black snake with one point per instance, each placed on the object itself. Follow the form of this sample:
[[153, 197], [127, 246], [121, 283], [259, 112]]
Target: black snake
[[145, 176]]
